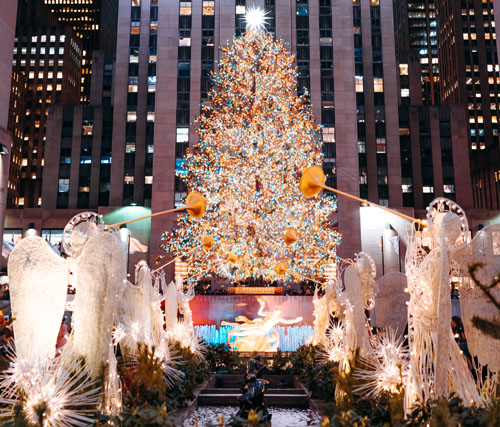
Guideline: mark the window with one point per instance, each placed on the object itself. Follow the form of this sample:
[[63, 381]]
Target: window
[[208, 7], [378, 84], [328, 134], [359, 83], [148, 180], [405, 93], [128, 180], [182, 134], [63, 185], [403, 69], [185, 8], [131, 116]]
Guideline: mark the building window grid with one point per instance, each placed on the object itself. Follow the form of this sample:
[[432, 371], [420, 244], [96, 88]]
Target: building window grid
[[183, 96], [133, 76], [379, 105], [302, 28]]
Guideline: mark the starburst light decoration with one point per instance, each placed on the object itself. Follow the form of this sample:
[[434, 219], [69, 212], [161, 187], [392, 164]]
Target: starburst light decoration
[[386, 370], [256, 139], [255, 18], [51, 393]]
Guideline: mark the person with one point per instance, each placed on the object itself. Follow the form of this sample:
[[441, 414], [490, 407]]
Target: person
[[253, 392], [457, 327]]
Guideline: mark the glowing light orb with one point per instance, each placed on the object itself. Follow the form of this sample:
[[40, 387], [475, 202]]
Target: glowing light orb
[[255, 18]]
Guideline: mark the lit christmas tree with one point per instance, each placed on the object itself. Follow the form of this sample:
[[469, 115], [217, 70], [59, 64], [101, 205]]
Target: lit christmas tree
[[256, 139]]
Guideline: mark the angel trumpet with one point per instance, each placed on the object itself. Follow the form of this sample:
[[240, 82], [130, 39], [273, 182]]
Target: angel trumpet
[[313, 181], [195, 207]]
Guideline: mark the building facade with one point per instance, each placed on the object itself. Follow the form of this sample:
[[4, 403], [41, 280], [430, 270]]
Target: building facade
[[376, 85], [94, 22], [49, 56], [7, 34]]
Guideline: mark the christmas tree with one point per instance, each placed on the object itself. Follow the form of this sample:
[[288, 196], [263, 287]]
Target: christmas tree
[[256, 139]]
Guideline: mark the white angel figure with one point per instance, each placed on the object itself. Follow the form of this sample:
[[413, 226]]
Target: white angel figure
[[321, 319], [171, 305], [437, 365], [38, 281]]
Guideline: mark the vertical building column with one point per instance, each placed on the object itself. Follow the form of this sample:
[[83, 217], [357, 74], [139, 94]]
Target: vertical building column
[[391, 104], [437, 162], [314, 59], [6, 143], [165, 124], [371, 144], [345, 129], [75, 158], [461, 163], [120, 107], [225, 11], [285, 22], [50, 182]]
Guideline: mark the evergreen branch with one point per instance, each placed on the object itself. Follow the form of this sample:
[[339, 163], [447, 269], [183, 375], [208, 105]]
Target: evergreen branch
[[485, 288], [490, 327]]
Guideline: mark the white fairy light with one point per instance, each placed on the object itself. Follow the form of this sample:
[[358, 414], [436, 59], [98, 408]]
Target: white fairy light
[[255, 19], [61, 388]]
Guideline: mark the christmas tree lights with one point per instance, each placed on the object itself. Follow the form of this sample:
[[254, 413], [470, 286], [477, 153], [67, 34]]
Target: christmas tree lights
[[256, 139]]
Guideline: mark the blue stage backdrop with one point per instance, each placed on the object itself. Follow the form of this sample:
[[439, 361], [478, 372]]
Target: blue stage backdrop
[[210, 310]]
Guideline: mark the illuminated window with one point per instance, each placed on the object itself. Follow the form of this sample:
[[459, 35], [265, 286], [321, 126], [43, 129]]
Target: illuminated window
[[132, 88], [359, 83], [240, 10], [208, 7], [128, 180], [378, 84], [428, 189], [148, 180], [185, 8], [130, 148], [63, 185], [407, 188], [182, 135], [131, 116], [405, 93], [449, 188], [328, 134], [403, 69]]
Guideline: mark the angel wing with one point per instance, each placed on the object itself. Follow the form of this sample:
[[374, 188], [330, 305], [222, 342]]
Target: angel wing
[[101, 273], [38, 281], [485, 248], [391, 309]]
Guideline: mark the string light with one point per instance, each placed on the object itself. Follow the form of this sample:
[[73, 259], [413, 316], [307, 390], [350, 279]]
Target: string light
[[256, 139]]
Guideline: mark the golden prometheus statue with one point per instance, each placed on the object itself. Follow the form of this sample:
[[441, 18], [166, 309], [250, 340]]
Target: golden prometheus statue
[[257, 334]]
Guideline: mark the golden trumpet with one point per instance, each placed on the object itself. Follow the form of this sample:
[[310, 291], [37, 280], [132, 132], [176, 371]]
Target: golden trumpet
[[291, 236], [313, 181], [195, 207]]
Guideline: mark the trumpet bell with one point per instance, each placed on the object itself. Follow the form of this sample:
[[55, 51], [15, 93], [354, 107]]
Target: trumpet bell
[[207, 242], [291, 236], [281, 268], [195, 205], [312, 181]]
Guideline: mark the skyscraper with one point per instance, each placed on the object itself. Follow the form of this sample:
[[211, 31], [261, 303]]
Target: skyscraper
[[48, 54], [469, 69], [94, 22]]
